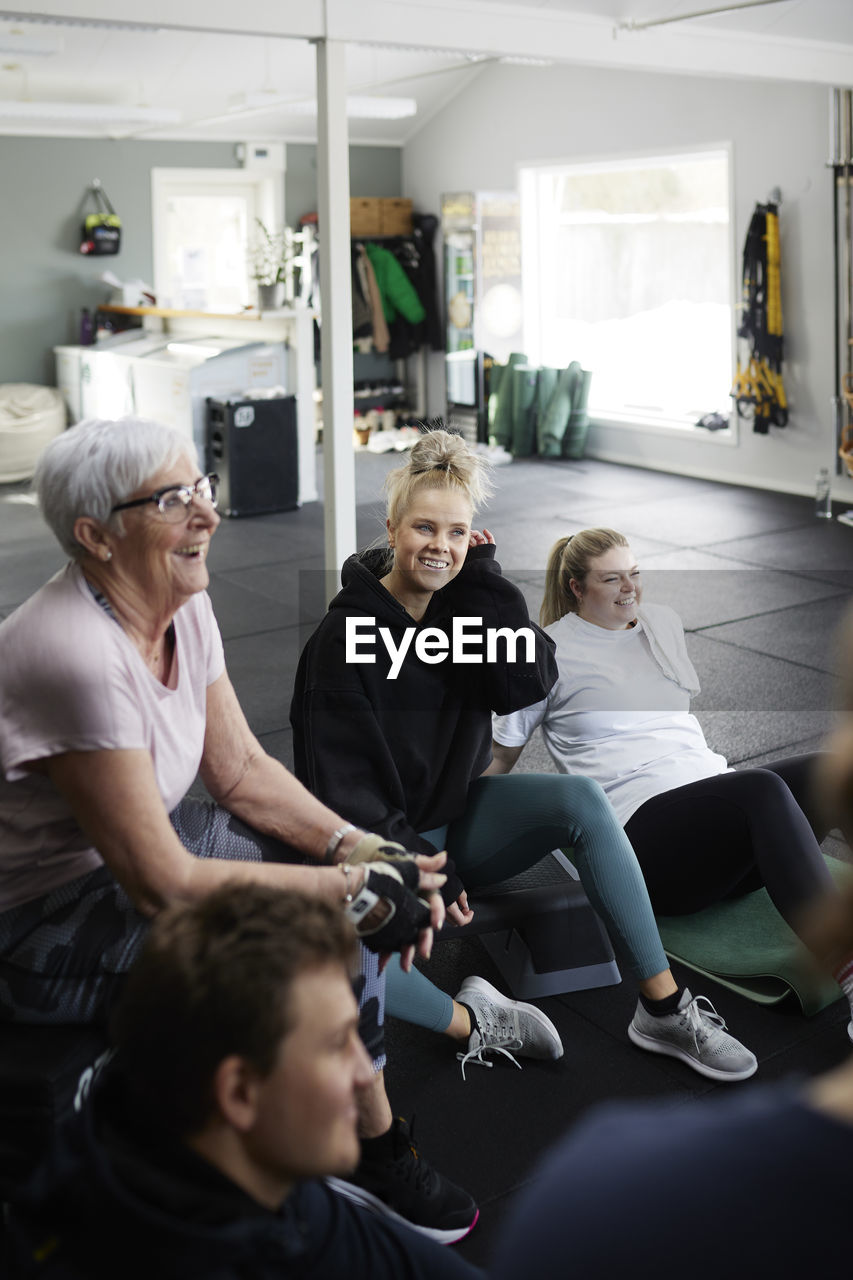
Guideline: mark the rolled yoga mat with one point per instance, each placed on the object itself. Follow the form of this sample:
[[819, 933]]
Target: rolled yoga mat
[[500, 429], [545, 386], [745, 945], [558, 411], [524, 379], [575, 434]]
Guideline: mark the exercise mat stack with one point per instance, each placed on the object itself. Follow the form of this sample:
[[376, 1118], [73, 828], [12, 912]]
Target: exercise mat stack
[[539, 410]]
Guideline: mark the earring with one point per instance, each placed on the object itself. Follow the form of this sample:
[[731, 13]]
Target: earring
[[108, 555]]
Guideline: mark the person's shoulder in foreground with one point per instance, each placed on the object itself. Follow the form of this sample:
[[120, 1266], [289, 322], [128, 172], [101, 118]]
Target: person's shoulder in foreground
[[231, 1096], [752, 1185]]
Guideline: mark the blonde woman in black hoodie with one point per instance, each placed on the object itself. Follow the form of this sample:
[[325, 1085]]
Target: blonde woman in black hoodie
[[392, 711]]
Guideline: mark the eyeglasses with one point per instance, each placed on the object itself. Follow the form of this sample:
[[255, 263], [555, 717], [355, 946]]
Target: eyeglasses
[[173, 502]]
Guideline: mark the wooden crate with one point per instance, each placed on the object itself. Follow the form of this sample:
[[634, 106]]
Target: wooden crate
[[365, 216], [395, 217]]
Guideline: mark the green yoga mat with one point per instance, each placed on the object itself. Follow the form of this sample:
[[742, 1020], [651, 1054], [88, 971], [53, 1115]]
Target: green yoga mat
[[745, 944]]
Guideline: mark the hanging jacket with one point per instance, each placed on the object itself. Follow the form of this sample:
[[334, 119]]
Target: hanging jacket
[[381, 337], [362, 322], [398, 756], [398, 292], [426, 280]]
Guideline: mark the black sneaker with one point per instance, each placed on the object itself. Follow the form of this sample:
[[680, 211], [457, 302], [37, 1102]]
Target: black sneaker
[[404, 1186]]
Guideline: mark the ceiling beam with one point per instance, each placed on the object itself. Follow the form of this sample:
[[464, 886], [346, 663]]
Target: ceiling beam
[[495, 30]]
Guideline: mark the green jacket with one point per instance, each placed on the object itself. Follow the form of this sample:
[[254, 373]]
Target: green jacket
[[399, 296]]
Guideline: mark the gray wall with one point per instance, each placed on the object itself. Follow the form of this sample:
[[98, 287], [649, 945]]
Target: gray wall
[[512, 115], [45, 280], [373, 171]]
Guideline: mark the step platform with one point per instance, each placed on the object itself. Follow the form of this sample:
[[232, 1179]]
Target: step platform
[[541, 932]]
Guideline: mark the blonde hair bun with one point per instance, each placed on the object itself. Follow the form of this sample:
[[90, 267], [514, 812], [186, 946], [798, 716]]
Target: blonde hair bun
[[439, 460]]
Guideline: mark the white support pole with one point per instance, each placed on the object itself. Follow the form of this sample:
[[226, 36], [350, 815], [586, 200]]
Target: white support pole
[[336, 305]]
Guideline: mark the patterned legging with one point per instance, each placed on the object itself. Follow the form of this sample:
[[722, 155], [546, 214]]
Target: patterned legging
[[63, 957]]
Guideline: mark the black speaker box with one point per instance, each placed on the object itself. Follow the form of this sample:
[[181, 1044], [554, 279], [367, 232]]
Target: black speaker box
[[252, 446]]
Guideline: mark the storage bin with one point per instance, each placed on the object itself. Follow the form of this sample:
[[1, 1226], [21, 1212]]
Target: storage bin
[[30, 417], [395, 217], [365, 216]]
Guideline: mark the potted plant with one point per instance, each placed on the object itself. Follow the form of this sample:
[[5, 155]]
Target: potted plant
[[269, 256]]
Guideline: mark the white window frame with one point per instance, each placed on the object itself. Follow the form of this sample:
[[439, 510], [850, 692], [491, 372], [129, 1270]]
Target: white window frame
[[269, 202], [533, 249]]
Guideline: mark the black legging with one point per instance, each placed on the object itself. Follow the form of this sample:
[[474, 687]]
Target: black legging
[[724, 836]]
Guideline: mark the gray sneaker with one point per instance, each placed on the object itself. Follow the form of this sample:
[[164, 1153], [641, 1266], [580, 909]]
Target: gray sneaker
[[505, 1026], [697, 1036]]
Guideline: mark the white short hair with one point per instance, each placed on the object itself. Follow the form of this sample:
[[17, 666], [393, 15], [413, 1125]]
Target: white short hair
[[91, 468]]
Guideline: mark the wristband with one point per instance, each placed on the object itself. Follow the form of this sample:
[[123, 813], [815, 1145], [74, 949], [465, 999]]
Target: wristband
[[332, 846]]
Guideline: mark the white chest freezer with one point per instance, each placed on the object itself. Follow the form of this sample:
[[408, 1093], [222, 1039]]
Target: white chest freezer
[[106, 385], [94, 381], [172, 384]]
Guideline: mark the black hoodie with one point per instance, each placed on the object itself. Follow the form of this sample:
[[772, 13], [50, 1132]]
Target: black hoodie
[[397, 756], [119, 1201]]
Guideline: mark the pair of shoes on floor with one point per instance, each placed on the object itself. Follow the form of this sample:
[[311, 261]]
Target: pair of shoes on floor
[[405, 1187], [697, 1035], [504, 1026]]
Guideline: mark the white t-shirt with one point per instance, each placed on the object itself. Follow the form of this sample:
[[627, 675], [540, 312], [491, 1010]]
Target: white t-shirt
[[71, 679], [614, 716]]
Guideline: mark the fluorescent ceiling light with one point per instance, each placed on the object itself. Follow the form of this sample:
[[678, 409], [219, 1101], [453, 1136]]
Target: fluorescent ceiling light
[[366, 108], [421, 51], [511, 61], [57, 20], [360, 108], [20, 45], [88, 112]]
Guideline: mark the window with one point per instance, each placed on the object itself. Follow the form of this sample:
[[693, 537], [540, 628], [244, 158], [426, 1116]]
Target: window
[[628, 269], [204, 222]]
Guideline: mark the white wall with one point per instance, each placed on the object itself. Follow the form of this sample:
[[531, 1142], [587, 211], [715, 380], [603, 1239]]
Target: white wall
[[513, 115]]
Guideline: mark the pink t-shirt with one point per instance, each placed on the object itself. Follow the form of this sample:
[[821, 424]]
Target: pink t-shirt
[[71, 679]]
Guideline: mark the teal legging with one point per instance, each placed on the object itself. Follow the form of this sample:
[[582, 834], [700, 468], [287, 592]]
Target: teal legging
[[511, 822]]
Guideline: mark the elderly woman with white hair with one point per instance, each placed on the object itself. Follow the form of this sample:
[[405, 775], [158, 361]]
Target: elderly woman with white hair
[[113, 696]]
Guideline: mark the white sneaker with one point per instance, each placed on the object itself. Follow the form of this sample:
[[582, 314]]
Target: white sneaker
[[697, 1036], [505, 1026]]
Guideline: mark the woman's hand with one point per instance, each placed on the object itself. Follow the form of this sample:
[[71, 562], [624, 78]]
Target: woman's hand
[[477, 539], [429, 885], [431, 875], [459, 912]]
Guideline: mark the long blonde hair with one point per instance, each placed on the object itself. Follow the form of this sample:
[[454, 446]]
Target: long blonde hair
[[570, 558], [439, 460]]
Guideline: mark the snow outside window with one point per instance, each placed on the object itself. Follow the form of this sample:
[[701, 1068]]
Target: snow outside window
[[628, 268]]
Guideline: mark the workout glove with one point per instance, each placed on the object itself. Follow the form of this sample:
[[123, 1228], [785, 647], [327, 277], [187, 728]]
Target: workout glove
[[374, 848], [393, 884]]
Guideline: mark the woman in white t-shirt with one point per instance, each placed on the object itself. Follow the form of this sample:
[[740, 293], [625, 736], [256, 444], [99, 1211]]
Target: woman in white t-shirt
[[620, 713]]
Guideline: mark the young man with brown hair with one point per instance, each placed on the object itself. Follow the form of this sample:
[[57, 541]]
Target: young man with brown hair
[[232, 1092]]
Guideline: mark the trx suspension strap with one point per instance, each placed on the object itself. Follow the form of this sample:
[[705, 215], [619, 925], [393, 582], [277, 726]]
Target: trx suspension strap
[[758, 390]]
